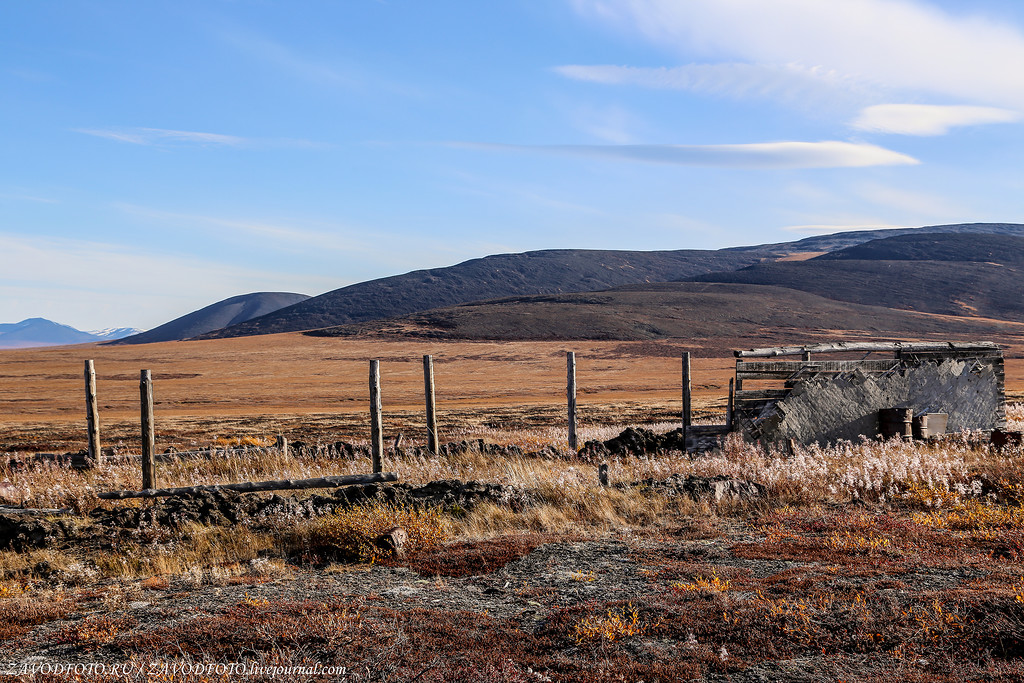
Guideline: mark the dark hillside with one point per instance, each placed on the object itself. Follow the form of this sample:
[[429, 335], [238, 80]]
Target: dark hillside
[[536, 272], [947, 287], [1004, 249], [675, 309], [850, 238]]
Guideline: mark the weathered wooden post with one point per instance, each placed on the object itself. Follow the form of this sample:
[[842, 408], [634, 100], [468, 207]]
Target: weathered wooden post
[[602, 474], [570, 395], [376, 435], [148, 435], [92, 414], [805, 356], [686, 394], [428, 392], [732, 404]]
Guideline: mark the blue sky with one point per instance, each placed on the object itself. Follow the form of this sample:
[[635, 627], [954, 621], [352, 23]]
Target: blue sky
[[158, 156]]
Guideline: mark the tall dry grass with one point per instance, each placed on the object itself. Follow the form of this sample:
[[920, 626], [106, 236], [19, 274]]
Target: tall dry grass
[[564, 490], [867, 469]]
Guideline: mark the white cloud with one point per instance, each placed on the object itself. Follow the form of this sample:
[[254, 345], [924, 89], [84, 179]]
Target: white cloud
[[928, 119], [767, 155], [895, 44], [789, 83]]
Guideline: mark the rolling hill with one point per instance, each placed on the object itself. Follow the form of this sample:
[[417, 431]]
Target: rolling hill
[[535, 272], [552, 272], [728, 313], [230, 311]]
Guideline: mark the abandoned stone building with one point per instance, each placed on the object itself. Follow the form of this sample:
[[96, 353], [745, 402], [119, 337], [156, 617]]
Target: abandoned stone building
[[826, 392]]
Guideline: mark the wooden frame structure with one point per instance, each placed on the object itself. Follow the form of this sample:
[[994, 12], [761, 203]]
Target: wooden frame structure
[[762, 365]]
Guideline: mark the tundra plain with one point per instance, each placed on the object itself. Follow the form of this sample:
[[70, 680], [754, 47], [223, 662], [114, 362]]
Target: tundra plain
[[871, 561]]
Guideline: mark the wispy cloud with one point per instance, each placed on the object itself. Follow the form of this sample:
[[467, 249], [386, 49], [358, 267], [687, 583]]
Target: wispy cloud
[[288, 237], [789, 83], [904, 45], [320, 70], [766, 155], [922, 206], [155, 136], [164, 136], [21, 197], [928, 119]]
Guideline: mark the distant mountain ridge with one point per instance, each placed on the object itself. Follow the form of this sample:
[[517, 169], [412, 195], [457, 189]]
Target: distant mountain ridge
[[231, 311], [554, 271], [112, 333], [42, 332]]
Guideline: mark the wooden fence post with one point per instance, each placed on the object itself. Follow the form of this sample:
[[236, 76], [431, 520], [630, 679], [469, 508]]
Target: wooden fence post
[[686, 394], [376, 435], [92, 414], [148, 436], [428, 392], [732, 404], [570, 395]]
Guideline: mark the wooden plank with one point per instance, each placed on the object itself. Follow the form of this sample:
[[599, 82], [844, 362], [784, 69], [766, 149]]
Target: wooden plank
[[836, 347], [761, 395], [376, 434], [92, 414], [8, 510], [148, 430], [785, 369], [254, 486]]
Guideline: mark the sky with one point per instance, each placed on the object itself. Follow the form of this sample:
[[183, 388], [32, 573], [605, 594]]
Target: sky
[[158, 156]]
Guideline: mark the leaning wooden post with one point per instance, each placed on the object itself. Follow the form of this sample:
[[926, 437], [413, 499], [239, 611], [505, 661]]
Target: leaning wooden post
[[686, 394], [148, 436], [376, 435], [428, 393], [732, 404], [570, 395], [92, 414]]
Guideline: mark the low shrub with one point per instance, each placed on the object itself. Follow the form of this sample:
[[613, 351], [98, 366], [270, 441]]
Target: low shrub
[[350, 535]]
